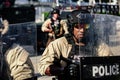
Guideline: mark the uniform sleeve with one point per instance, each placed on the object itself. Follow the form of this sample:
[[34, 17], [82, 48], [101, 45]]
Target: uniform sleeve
[[19, 63], [104, 50], [52, 54], [65, 26], [46, 59], [45, 25]]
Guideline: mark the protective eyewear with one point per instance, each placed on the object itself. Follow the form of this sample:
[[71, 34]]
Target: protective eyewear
[[79, 26]]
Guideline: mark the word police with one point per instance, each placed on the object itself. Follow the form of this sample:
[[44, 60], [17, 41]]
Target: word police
[[105, 70]]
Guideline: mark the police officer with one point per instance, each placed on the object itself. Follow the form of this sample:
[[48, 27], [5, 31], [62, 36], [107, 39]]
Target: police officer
[[78, 43], [15, 63], [55, 26]]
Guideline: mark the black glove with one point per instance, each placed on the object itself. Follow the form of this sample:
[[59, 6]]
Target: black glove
[[72, 71], [55, 70]]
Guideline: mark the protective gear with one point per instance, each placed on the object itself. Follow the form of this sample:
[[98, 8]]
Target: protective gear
[[64, 49], [71, 45], [79, 19], [72, 71], [15, 63], [55, 11], [80, 15], [55, 28], [55, 70]]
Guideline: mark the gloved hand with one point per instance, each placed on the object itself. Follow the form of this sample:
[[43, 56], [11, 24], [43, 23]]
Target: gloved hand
[[55, 70], [72, 70]]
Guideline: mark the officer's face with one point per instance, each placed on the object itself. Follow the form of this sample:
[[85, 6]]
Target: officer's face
[[55, 15], [78, 31]]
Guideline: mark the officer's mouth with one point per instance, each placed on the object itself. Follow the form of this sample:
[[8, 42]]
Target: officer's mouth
[[80, 35]]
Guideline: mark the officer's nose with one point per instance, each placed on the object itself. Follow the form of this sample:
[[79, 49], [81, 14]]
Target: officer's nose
[[81, 29]]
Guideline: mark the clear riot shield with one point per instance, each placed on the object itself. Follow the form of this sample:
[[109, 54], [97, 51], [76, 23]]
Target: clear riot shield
[[98, 53], [25, 34], [108, 30], [103, 46]]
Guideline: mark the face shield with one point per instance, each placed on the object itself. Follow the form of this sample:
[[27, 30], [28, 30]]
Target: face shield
[[79, 26], [83, 30], [101, 39], [82, 24]]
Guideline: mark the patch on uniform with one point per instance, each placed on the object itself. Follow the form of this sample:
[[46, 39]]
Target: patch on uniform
[[22, 58]]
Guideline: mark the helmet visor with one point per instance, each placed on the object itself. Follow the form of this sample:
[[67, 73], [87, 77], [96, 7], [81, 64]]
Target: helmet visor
[[79, 26]]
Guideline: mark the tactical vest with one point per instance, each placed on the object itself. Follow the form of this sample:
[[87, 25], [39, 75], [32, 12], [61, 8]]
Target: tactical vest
[[81, 51], [56, 26], [77, 51]]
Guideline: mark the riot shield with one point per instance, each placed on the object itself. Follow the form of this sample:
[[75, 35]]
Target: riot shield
[[104, 29], [98, 57], [108, 29], [24, 35]]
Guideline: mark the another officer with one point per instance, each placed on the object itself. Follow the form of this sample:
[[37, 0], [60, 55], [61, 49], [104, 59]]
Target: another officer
[[55, 26], [80, 42], [15, 63]]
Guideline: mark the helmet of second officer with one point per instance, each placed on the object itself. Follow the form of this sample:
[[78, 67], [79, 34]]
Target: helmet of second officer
[[81, 19], [55, 11]]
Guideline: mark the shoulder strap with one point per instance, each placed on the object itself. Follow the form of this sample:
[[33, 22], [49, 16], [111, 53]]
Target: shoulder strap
[[70, 39], [52, 21], [59, 19]]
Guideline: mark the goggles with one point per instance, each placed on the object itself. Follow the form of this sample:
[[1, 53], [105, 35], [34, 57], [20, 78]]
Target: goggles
[[79, 26]]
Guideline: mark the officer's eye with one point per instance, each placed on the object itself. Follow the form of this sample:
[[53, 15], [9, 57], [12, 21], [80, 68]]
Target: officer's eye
[[79, 26]]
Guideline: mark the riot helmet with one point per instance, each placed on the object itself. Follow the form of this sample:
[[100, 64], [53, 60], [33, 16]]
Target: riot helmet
[[82, 21], [55, 11], [81, 17], [81, 27]]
